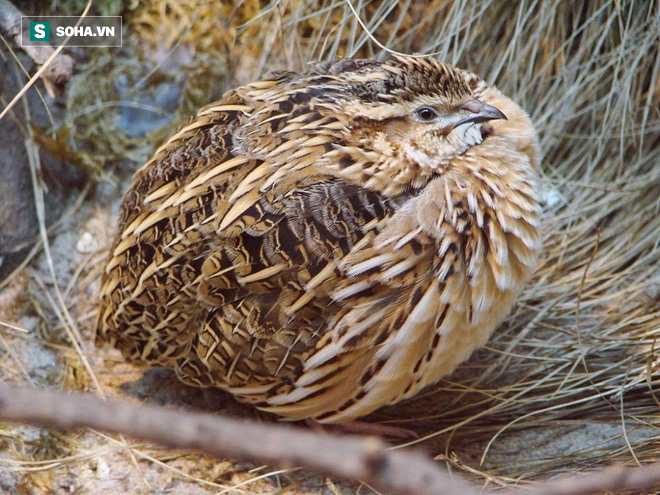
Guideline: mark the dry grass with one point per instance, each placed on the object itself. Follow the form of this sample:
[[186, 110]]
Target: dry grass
[[568, 383]]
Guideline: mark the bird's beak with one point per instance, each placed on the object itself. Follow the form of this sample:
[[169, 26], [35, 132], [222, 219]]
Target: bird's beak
[[478, 111]]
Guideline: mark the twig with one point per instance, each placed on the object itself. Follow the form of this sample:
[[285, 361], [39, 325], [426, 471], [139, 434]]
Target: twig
[[363, 458], [615, 479], [59, 70]]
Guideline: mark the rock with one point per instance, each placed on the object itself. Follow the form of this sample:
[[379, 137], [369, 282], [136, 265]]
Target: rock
[[19, 228]]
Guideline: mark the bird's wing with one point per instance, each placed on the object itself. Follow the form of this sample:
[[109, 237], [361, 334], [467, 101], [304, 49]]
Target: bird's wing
[[148, 295]]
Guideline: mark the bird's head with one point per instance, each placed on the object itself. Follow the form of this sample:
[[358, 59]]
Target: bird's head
[[406, 119], [388, 126]]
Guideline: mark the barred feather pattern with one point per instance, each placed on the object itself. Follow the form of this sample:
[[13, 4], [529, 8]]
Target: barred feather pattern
[[310, 246]]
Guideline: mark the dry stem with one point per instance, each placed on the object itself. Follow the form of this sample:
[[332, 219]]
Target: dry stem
[[364, 458]]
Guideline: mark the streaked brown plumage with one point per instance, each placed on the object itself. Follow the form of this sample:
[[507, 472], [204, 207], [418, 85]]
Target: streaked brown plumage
[[325, 243]]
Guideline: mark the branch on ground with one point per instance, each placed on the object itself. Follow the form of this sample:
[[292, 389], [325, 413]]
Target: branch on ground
[[350, 457], [362, 458]]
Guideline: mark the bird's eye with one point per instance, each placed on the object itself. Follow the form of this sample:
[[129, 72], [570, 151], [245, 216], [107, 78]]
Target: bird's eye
[[426, 114]]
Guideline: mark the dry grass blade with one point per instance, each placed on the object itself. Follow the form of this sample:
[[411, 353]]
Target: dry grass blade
[[42, 69]]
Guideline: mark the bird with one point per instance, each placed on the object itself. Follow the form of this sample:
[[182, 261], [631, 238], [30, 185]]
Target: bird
[[323, 243]]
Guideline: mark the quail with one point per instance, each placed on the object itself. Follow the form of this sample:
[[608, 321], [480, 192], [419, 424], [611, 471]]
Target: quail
[[323, 243]]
